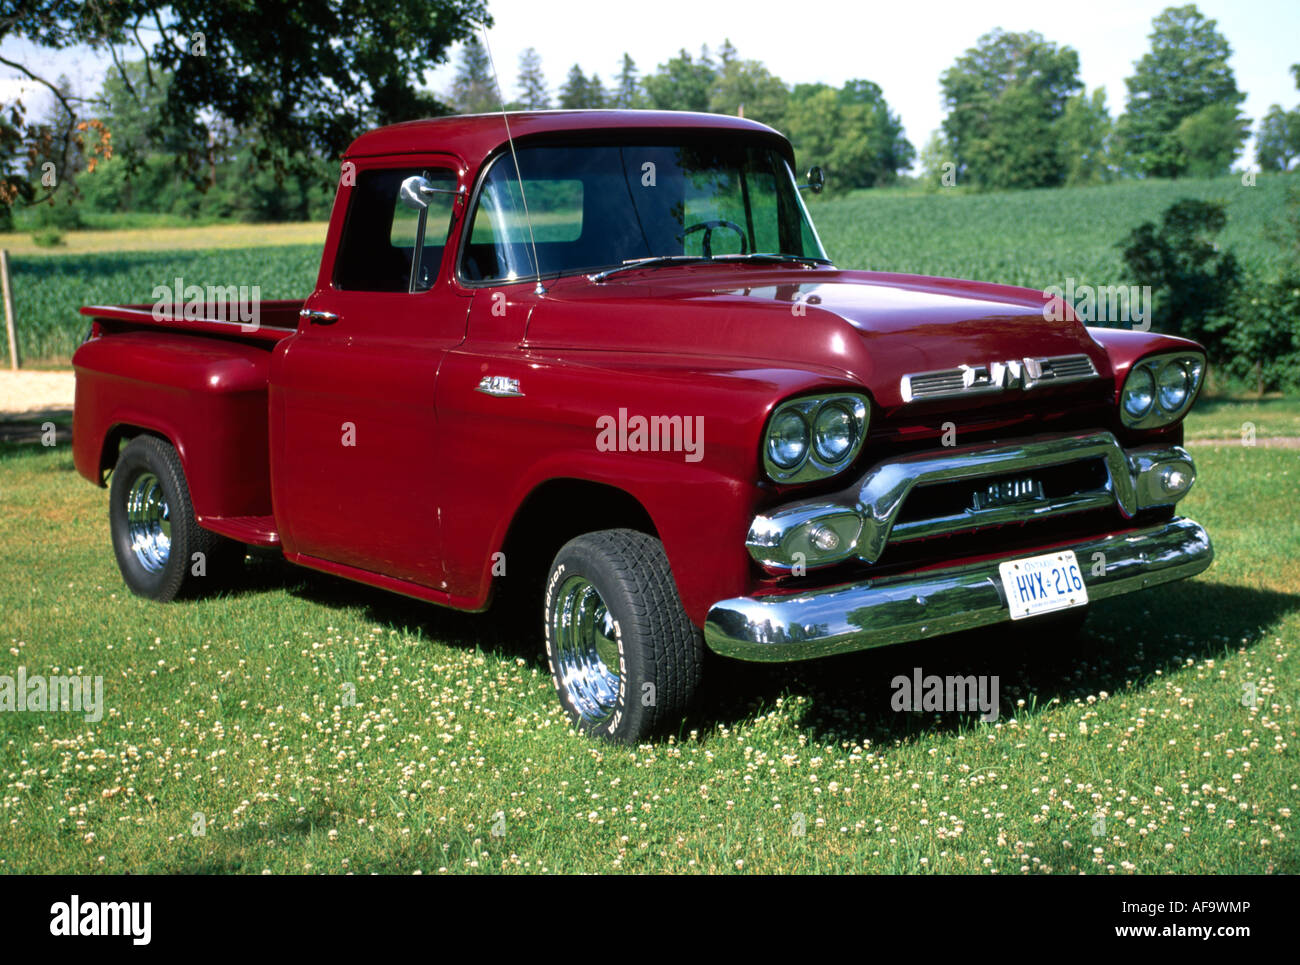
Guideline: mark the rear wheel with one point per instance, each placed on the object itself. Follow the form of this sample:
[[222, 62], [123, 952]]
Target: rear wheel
[[160, 547], [624, 657]]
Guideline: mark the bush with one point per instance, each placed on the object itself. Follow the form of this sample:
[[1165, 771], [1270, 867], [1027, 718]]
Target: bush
[[48, 237], [1261, 336], [1193, 282], [59, 215]]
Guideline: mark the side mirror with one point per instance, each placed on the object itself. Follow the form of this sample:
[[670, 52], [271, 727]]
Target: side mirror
[[816, 180], [416, 192]]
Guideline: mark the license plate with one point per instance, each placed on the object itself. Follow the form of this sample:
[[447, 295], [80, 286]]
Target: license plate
[[1041, 584]]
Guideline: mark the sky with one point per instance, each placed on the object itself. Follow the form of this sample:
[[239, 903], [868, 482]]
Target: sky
[[902, 46]]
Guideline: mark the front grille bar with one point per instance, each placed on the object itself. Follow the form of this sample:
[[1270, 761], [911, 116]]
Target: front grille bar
[[1132, 483]]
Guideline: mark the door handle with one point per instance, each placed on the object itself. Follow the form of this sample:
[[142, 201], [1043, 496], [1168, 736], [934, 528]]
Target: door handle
[[317, 317]]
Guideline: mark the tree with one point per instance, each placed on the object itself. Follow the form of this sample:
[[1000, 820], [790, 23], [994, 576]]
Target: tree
[[1005, 98], [1185, 72], [1277, 143], [1086, 130], [682, 84], [532, 82], [628, 92], [596, 96], [307, 77], [936, 157], [849, 132], [1211, 138], [473, 90], [747, 87], [889, 151], [580, 91]]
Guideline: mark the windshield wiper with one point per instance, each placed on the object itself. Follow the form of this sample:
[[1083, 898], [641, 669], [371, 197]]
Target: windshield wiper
[[655, 260], [774, 257], [651, 262]]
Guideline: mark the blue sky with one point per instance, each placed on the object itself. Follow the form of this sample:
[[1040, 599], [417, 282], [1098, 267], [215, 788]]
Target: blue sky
[[901, 46]]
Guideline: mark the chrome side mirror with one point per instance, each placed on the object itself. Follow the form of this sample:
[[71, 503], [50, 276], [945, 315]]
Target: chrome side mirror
[[416, 192], [816, 180]]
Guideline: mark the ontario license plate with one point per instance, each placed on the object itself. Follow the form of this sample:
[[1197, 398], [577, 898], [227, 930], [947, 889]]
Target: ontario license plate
[[1041, 584]]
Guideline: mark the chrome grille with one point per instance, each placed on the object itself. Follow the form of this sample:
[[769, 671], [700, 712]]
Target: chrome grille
[[1062, 368], [968, 380]]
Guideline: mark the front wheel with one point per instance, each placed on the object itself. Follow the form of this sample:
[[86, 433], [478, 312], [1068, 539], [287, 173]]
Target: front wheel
[[160, 547], [624, 657]]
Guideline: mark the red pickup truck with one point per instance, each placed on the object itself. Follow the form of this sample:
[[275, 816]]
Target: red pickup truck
[[604, 367]]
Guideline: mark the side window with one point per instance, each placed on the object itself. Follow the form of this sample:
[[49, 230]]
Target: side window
[[378, 243]]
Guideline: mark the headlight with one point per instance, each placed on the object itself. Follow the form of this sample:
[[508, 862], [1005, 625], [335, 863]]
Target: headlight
[[1139, 393], [835, 432], [814, 437], [1171, 385], [787, 440], [1159, 390]]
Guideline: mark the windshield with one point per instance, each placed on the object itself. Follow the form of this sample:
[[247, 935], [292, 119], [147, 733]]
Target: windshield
[[595, 206]]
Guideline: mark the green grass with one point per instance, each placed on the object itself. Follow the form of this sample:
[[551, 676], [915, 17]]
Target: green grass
[[1227, 417], [234, 708]]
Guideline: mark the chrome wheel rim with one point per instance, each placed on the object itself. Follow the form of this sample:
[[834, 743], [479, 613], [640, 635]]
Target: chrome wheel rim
[[148, 522], [586, 650]]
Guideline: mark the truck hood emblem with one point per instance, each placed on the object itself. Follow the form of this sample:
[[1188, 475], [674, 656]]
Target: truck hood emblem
[[980, 379]]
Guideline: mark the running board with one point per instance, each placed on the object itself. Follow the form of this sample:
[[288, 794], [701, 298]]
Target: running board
[[253, 530]]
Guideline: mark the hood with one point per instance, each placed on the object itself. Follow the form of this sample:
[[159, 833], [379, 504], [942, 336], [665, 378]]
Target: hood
[[867, 327]]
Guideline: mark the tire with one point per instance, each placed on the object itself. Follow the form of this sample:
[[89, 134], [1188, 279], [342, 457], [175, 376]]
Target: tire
[[156, 544], [624, 657]]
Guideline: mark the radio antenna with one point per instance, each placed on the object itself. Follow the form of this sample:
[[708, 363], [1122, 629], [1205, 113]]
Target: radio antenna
[[505, 117]]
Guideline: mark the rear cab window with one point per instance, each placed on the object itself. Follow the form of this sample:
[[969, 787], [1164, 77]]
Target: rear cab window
[[379, 233]]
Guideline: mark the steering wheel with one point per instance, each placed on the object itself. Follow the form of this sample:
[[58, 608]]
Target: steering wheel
[[708, 226]]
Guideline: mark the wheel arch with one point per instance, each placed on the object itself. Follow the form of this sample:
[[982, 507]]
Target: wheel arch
[[554, 512]]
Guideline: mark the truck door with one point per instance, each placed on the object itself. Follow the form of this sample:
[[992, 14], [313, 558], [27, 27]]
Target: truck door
[[354, 434]]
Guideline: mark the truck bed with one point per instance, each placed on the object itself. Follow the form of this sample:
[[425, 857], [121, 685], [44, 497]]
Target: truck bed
[[186, 378]]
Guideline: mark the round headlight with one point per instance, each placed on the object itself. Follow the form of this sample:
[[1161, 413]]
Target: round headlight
[[1172, 386], [787, 441], [1139, 393], [834, 433]]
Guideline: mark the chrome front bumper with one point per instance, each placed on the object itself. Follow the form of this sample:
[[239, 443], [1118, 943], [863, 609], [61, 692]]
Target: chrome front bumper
[[907, 607]]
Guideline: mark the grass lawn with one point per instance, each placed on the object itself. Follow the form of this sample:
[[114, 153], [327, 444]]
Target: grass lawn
[[1235, 417], [1128, 750]]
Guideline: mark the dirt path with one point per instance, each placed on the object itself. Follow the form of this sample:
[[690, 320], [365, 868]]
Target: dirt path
[[1274, 442], [27, 394]]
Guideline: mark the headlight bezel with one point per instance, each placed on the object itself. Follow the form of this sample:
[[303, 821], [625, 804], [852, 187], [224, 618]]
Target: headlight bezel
[[813, 465], [1158, 415]]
